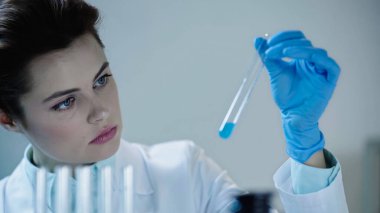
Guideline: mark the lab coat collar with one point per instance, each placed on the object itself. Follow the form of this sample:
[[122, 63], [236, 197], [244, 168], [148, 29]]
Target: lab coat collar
[[134, 155]]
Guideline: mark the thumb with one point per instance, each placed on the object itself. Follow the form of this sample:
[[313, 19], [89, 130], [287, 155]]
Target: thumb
[[273, 65], [261, 46]]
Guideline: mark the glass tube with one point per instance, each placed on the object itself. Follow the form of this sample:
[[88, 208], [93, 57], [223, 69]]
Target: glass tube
[[128, 189], [241, 98], [83, 194], [40, 205], [106, 189], [62, 199]]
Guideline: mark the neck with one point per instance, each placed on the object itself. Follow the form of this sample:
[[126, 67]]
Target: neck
[[42, 161]]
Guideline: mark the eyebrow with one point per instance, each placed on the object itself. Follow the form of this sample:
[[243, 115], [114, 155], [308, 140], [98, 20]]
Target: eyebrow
[[65, 92]]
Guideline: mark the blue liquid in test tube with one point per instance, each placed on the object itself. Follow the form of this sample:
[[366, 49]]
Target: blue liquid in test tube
[[240, 100]]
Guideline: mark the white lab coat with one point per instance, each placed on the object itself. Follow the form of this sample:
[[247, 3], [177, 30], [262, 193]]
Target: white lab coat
[[175, 177]]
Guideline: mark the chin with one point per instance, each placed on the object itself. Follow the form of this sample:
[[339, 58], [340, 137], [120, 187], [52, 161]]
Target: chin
[[104, 151]]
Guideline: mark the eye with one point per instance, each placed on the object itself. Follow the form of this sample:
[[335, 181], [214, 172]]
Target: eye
[[64, 105], [102, 81]]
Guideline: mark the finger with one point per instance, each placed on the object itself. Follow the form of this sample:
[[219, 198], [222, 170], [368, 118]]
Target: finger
[[328, 64], [317, 56], [261, 46], [285, 35], [302, 52], [277, 50]]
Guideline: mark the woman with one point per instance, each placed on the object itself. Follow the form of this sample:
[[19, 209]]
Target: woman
[[56, 88]]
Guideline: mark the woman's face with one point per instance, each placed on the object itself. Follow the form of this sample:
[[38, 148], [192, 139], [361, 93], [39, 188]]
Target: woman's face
[[72, 101]]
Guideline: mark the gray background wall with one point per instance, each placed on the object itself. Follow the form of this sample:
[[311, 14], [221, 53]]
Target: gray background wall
[[178, 64]]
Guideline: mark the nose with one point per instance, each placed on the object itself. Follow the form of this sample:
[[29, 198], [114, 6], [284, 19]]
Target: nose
[[98, 113]]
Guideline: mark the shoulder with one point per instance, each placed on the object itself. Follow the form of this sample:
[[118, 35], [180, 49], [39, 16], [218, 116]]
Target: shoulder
[[174, 156], [16, 188], [164, 165], [173, 151], [177, 146], [18, 180]]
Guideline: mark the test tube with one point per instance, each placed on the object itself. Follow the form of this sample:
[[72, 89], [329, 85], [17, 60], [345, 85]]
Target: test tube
[[83, 195], [40, 204], [62, 198], [241, 98], [128, 189], [106, 189]]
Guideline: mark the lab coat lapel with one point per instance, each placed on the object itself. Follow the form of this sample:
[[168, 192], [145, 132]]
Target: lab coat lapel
[[144, 195]]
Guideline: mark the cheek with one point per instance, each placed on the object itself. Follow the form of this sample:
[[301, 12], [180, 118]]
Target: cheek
[[112, 98], [60, 131], [55, 132]]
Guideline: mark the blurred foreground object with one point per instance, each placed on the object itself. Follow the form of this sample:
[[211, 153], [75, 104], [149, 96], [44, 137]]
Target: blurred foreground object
[[371, 179], [253, 202]]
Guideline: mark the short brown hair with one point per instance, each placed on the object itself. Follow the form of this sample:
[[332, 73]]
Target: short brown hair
[[30, 28]]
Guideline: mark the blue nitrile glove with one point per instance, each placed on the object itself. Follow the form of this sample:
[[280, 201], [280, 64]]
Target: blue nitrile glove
[[301, 86]]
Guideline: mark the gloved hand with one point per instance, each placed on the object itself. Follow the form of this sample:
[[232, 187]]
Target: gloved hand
[[301, 86]]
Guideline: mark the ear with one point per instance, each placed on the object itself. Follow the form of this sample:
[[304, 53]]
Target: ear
[[7, 123]]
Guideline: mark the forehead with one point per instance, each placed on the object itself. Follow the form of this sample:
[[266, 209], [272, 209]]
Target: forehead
[[66, 68]]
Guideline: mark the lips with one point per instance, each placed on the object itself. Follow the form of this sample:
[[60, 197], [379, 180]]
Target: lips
[[106, 135]]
